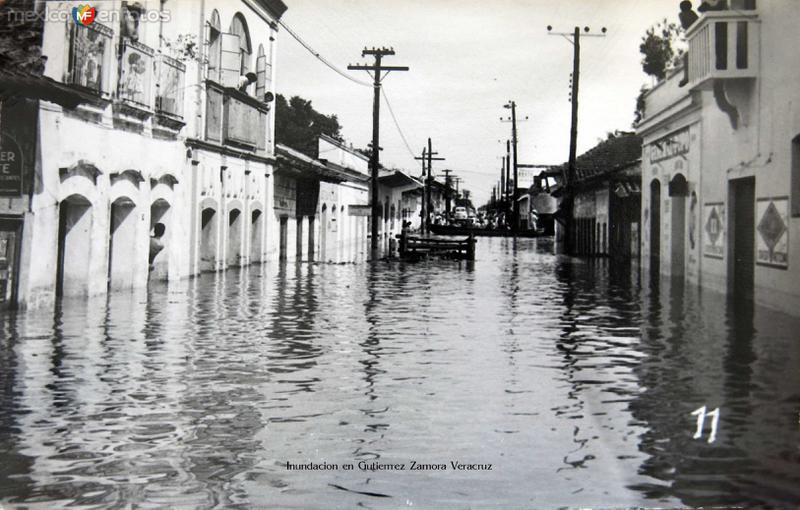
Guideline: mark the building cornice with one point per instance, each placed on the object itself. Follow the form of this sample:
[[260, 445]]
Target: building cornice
[[676, 111], [195, 143]]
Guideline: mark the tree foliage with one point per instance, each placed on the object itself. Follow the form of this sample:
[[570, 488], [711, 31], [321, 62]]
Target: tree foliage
[[298, 125], [638, 114], [660, 49]]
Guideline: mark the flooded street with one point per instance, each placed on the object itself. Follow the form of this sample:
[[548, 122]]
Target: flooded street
[[576, 383]]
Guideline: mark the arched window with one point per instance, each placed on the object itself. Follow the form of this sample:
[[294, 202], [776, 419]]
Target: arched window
[[261, 73], [214, 31], [239, 28], [235, 51]]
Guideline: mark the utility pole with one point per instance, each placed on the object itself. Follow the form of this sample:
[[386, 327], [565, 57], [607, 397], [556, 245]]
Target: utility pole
[[507, 205], [427, 155], [514, 205], [375, 71], [575, 39], [447, 173], [502, 189], [424, 159]]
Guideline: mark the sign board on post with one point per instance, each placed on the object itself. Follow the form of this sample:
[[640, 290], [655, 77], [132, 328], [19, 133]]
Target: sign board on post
[[359, 210], [11, 167]]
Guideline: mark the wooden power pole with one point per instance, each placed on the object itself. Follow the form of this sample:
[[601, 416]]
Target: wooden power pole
[[569, 178], [376, 70], [427, 155]]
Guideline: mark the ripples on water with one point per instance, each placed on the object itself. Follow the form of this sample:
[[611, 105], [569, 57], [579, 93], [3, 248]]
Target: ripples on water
[[576, 384]]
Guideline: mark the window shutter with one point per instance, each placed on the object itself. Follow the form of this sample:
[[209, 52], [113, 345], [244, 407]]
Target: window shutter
[[261, 80], [229, 76]]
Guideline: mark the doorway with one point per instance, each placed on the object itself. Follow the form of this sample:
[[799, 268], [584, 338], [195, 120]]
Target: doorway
[[741, 268], [208, 240], [678, 190], [10, 242], [255, 236], [234, 238], [284, 237], [655, 225], [122, 245], [74, 246]]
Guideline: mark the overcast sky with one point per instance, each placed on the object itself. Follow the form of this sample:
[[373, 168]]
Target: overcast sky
[[468, 58]]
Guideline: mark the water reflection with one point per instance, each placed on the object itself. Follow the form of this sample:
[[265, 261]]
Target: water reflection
[[573, 380]]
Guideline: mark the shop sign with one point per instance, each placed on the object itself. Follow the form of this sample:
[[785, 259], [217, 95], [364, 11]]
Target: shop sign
[[359, 210], [772, 248], [676, 144], [714, 230], [11, 167]]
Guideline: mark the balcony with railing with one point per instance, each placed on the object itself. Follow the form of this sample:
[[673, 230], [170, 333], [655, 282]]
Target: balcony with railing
[[723, 45], [234, 117]]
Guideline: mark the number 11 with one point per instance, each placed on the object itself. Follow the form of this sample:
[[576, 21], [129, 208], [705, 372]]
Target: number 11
[[701, 417]]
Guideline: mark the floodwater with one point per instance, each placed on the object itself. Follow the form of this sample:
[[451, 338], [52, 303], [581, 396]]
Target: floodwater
[[576, 383]]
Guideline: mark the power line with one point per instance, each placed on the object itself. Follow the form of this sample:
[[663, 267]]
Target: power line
[[396, 124], [320, 57]]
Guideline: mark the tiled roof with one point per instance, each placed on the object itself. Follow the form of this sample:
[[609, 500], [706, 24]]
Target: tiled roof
[[618, 151]]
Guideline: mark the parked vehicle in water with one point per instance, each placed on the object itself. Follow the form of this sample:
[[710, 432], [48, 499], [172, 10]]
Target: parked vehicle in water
[[460, 213]]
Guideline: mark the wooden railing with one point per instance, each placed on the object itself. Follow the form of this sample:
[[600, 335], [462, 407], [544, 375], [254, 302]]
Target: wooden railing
[[415, 248], [723, 45]]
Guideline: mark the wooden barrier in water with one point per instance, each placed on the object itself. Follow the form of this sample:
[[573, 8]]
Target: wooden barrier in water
[[415, 248]]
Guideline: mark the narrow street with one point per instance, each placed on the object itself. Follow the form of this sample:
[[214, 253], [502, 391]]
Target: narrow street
[[572, 379]]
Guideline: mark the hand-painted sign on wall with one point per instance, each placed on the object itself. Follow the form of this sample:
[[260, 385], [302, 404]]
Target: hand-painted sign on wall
[[11, 167], [714, 230], [675, 144], [772, 248]]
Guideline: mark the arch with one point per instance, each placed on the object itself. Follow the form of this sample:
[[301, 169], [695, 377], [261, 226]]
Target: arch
[[678, 190], [239, 27], [165, 178], [124, 189], [158, 256], [74, 245], [122, 237], [214, 21], [655, 224], [235, 204], [83, 168], [678, 186], [256, 233], [208, 238], [235, 224], [214, 46], [261, 72]]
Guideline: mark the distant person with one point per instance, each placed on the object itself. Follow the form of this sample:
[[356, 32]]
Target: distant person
[[156, 241], [687, 17], [713, 5], [246, 80]]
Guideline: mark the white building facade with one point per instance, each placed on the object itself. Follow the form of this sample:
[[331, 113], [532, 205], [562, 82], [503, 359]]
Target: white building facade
[[170, 146], [721, 158]]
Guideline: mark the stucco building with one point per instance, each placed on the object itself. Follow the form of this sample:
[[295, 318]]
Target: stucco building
[[721, 157], [168, 144], [606, 198]]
